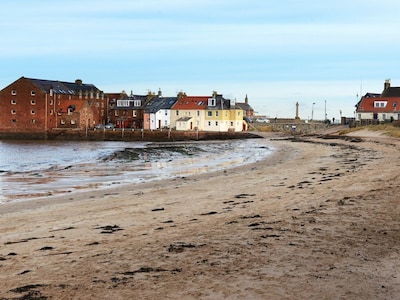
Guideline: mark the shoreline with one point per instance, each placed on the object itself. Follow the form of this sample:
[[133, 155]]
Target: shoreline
[[123, 164], [313, 220]]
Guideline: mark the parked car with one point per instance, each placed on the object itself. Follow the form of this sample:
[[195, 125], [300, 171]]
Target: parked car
[[262, 120], [110, 126], [99, 126]]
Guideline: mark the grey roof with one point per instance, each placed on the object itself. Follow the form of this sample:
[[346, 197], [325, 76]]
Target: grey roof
[[157, 103], [391, 92], [221, 103], [62, 87], [132, 97], [244, 106]]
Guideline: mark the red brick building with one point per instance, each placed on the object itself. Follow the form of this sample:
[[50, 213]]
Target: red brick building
[[36, 105]]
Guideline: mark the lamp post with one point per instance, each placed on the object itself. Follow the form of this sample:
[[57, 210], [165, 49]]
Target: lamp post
[[325, 112], [312, 111]]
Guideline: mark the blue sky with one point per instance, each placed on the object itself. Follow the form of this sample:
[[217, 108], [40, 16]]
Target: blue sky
[[276, 52]]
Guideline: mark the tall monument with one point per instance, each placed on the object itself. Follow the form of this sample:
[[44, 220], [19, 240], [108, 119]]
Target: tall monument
[[297, 111]]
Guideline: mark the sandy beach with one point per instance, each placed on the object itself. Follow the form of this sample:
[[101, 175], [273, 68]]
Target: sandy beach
[[319, 219]]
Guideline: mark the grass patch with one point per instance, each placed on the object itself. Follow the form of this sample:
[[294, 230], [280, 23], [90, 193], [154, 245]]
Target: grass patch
[[389, 129]]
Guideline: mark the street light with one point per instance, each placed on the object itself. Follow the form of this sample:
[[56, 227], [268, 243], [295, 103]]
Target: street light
[[312, 111]]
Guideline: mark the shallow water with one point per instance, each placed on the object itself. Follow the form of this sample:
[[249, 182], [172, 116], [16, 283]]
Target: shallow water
[[30, 169]]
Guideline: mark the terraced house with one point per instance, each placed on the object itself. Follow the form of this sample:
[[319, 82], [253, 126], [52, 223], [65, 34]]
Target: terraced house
[[206, 113], [38, 105], [223, 115]]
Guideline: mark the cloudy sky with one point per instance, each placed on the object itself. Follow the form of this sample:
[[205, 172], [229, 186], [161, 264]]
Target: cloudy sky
[[276, 52]]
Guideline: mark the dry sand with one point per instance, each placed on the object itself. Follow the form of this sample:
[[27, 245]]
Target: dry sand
[[318, 220]]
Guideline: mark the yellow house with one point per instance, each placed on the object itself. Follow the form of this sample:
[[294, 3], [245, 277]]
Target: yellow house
[[222, 115]]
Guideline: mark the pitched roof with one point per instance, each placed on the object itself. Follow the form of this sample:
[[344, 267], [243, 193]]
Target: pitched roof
[[390, 104], [391, 92], [131, 100], [244, 106], [191, 102], [63, 87], [157, 103]]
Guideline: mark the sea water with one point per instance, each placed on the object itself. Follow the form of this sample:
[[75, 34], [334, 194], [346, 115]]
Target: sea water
[[31, 169]]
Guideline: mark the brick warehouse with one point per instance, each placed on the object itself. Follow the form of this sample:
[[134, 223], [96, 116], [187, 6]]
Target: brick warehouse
[[36, 105]]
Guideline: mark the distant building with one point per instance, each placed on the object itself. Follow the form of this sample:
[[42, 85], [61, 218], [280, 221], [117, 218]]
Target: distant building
[[248, 111], [380, 107], [38, 105]]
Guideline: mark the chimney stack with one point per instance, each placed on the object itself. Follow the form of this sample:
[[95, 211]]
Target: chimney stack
[[387, 84], [78, 81]]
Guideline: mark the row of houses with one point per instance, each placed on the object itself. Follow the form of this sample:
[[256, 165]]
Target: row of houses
[[383, 107], [37, 105]]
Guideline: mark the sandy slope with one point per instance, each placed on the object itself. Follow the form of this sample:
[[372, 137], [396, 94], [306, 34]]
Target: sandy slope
[[319, 220]]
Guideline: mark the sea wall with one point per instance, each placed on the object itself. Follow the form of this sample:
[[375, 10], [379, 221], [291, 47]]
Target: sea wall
[[126, 135]]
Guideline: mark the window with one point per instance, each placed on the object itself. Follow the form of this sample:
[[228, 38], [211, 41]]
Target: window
[[32, 112], [209, 123], [33, 93], [209, 113], [13, 111], [177, 112], [380, 103], [383, 117], [14, 120], [198, 113], [62, 122], [216, 123], [123, 103], [33, 102], [116, 113], [13, 92], [216, 113], [14, 102], [33, 121], [137, 103], [72, 122], [231, 124], [51, 102], [51, 111]]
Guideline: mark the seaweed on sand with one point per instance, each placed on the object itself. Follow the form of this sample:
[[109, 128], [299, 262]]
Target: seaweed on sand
[[152, 151]]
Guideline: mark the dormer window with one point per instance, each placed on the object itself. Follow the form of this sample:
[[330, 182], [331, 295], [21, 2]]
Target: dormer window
[[211, 101], [380, 104]]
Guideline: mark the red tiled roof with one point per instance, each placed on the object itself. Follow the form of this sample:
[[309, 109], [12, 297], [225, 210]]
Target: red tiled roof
[[191, 102], [368, 104]]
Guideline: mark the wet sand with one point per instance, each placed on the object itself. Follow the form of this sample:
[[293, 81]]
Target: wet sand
[[317, 220]]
